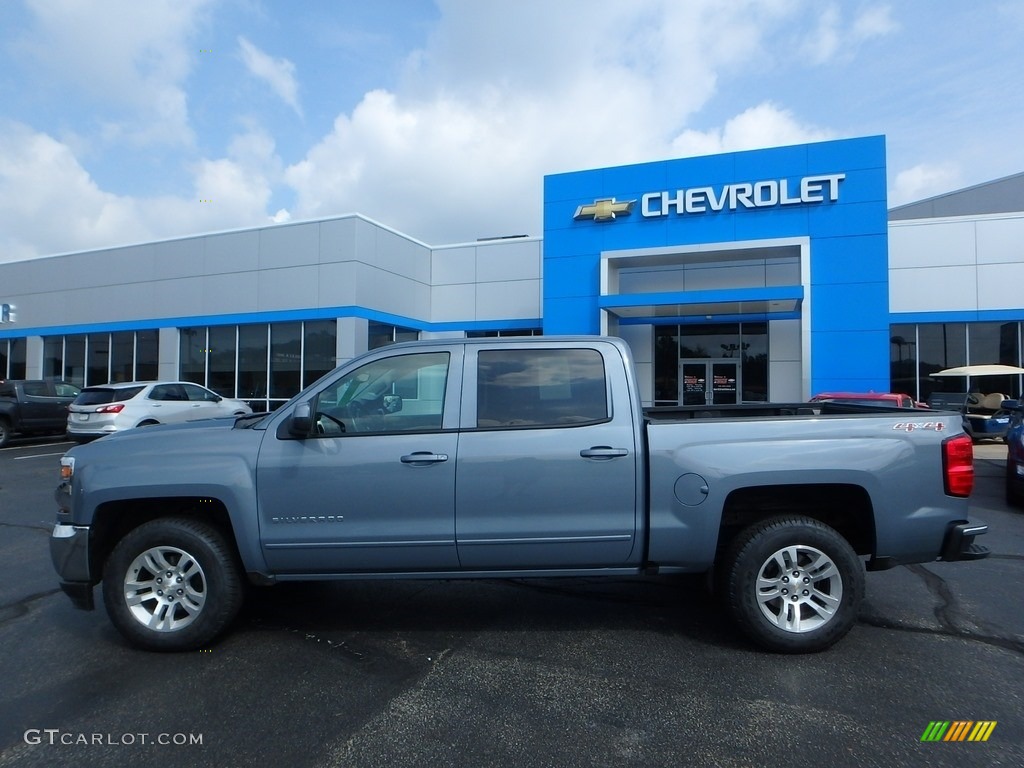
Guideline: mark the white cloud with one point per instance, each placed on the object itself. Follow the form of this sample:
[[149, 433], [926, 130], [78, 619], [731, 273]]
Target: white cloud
[[874, 22], [460, 149], [831, 39], [923, 181], [765, 125], [129, 59], [278, 73], [50, 204]]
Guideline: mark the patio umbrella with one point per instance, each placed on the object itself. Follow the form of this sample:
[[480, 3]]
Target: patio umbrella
[[980, 370]]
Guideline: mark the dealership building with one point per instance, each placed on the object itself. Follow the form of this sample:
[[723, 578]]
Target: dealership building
[[772, 274]]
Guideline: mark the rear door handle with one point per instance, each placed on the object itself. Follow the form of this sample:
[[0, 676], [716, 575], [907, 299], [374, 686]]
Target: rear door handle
[[603, 452], [424, 457]]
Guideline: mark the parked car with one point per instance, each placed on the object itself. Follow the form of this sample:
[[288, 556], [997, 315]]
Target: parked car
[[102, 410], [1015, 454], [34, 407], [892, 399]]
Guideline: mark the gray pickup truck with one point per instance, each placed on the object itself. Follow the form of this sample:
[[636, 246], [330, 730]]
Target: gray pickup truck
[[34, 407], [511, 458]]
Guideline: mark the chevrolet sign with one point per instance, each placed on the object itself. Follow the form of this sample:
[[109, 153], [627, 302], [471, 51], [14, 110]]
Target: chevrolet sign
[[604, 209], [758, 194]]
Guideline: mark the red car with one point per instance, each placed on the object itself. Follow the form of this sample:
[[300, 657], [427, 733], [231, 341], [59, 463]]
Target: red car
[[892, 399]]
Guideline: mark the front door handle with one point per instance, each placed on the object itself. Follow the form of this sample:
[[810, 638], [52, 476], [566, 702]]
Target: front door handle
[[603, 452], [424, 457]]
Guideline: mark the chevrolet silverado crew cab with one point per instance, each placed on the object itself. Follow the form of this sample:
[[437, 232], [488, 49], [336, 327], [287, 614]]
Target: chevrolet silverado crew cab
[[511, 458]]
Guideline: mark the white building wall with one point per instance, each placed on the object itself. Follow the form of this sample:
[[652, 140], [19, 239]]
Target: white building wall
[[970, 263]]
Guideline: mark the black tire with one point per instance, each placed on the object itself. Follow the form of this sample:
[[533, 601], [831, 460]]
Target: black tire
[[199, 565], [5, 433], [804, 607]]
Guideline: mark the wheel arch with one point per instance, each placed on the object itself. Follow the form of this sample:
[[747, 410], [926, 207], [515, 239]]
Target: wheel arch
[[113, 520], [847, 508]]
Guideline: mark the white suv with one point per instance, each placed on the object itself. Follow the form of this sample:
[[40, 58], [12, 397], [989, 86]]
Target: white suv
[[109, 408]]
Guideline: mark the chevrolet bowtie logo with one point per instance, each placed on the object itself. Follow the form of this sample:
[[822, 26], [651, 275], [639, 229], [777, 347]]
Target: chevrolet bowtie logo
[[604, 209]]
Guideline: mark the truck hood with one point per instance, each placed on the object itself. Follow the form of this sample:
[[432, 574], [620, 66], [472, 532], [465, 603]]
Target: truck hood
[[163, 444]]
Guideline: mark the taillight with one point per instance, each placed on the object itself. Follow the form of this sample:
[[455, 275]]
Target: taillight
[[958, 465], [115, 408]]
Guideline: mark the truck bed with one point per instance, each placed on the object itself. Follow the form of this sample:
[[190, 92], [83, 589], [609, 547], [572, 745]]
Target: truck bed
[[673, 413]]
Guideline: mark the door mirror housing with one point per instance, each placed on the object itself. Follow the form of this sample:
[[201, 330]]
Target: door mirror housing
[[391, 403], [300, 423]]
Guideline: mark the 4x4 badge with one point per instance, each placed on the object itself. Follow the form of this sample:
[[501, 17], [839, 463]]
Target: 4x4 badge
[[604, 209]]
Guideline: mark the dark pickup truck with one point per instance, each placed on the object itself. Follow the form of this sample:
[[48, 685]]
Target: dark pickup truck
[[34, 407]]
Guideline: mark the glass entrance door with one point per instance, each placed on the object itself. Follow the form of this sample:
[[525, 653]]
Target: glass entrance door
[[709, 382]]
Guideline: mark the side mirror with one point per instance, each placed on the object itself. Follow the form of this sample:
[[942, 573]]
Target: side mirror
[[300, 423], [392, 403]]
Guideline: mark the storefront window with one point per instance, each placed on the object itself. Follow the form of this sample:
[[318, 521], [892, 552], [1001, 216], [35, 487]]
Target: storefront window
[[319, 349], [746, 342], [147, 355], [98, 371], [53, 357], [903, 360], [122, 356], [666, 365], [252, 362], [918, 351], [192, 355], [74, 360], [382, 334], [754, 344], [221, 359], [285, 359], [16, 359]]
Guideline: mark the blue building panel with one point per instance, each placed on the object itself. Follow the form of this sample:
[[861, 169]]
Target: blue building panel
[[832, 194], [851, 154], [572, 276], [851, 307], [833, 259], [847, 360], [563, 315]]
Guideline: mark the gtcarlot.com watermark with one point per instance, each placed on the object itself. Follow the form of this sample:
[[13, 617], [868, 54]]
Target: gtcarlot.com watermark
[[57, 737]]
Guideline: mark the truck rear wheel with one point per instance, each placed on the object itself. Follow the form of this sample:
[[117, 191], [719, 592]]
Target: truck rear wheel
[[793, 584], [172, 584]]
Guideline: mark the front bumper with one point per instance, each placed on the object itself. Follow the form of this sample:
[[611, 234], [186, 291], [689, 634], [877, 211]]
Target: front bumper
[[959, 542], [69, 550]]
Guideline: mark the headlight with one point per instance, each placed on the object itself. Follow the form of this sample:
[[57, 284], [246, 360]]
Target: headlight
[[67, 468]]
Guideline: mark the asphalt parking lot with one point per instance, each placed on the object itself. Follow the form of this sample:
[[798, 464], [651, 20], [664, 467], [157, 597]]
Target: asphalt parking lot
[[549, 673]]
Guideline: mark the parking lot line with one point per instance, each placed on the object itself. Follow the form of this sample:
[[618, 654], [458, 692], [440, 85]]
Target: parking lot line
[[37, 456]]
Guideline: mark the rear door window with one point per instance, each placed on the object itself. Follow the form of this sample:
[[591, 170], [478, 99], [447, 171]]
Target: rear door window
[[540, 388]]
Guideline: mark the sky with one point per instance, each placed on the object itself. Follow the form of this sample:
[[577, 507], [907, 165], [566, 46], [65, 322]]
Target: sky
[[125, 121]]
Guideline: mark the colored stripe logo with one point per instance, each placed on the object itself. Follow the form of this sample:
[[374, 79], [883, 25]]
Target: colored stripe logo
[[958, 730]]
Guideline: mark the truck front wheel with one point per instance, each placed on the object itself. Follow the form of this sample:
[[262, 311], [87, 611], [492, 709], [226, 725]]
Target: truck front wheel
[[794, 584], [172, 584]]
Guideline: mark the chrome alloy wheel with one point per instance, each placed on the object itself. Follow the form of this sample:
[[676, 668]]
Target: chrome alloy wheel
[[165, 589], [799, 589]]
